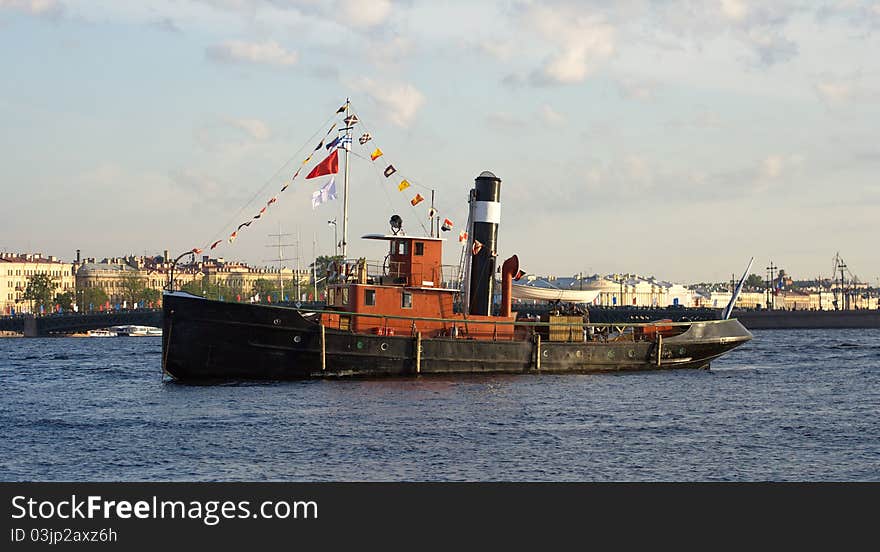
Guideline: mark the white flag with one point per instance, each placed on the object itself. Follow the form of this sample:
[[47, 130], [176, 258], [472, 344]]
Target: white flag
[[325, 193]]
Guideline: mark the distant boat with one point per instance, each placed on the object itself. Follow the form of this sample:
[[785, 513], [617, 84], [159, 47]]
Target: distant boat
[[138, 331], [102, 333]]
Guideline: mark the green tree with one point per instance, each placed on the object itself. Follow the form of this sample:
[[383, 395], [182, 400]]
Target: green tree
[[40, 290], [754, 281], [92, 297], [132, 286], [265, 287], [66, 300]]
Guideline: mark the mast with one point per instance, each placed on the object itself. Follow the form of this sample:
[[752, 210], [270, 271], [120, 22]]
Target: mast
[[346, 146], [280, 258]]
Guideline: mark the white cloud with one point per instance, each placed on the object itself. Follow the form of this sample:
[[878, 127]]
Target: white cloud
[[363, 13], [551, 117], [582, 42], [777, 166], [256, 128], [399, 101], [239, 51], [502, 50], [836, 92], [736, 10], [45, 8], [390, 52]]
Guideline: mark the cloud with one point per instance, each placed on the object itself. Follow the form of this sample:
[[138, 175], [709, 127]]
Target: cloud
[[41, 8], [770, 45], [399, 102], [551, 117], [776, 166], [257, 129], [583, 42], [264, 53], [735, 10], [165, 24], [835, 92], [389, 52], [502, 50], [363, 13]]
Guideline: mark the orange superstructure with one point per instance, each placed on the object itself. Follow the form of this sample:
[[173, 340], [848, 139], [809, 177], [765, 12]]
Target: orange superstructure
[[408, 297]]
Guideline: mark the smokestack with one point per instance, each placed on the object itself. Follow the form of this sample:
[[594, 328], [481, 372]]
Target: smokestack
[[77, 256], [167, 260], [509, 271], [487, 216]]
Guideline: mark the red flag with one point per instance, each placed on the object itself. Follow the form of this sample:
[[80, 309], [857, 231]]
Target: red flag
[[477, 247], [213, 245], [327, 166], [462, 236]]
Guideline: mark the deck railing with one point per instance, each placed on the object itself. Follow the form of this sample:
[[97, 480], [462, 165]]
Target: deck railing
[[524, 329]]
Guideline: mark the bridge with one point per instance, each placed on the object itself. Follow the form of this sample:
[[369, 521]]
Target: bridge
[[68, 323], [56, 324]]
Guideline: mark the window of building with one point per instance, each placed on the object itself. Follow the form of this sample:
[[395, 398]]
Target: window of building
[[420, 248], [406, 300], [370, 297]]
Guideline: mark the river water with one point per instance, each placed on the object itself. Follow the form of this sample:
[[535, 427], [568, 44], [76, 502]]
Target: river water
[[793, 405]]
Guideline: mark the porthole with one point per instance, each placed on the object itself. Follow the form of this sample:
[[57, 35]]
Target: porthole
[[578, 354], [360, 344], [384, 346], [277, 321], [546, 353], [631, 354], [681, 351], [610, 355], [297, 338]]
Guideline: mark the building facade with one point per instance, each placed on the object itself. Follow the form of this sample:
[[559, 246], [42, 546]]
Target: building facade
[[15, 271]]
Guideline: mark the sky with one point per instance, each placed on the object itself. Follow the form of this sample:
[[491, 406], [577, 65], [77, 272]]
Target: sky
[[670, 138]]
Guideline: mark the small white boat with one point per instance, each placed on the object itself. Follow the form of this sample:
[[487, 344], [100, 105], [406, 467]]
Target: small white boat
[[102, 333]]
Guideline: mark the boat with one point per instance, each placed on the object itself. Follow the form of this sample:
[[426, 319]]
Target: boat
[[101, 333], [138, 331], [408, 316]]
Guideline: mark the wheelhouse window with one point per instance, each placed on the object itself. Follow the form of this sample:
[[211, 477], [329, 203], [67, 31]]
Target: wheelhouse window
[[406, 300], [370, 297], [420, 248], [400, 247]]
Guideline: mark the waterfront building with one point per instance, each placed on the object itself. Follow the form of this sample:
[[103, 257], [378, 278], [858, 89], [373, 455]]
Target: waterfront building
[[16, 268], [622, 289], [232, 280]]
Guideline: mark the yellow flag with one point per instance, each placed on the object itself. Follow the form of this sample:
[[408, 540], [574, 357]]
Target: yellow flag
[[376, 154], [403, 185]]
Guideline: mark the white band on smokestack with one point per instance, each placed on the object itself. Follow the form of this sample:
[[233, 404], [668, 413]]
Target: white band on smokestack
[[487, 211]]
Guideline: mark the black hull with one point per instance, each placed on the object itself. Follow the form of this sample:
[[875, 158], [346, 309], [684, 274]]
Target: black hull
[[204, 340]]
